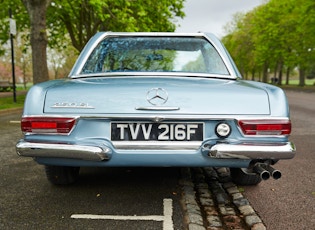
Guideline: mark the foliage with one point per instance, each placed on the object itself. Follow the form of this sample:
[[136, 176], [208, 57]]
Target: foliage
[[18, 13], [276, 36], [83, 18], [78, 20]]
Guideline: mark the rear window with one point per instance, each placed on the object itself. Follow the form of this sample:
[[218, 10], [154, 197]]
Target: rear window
[[155, 54]]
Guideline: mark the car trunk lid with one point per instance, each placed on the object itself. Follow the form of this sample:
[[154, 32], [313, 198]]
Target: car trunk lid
[[183, 95]]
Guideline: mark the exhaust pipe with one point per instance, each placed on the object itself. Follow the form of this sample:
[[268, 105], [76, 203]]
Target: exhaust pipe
[[276, 174], [263, 173]]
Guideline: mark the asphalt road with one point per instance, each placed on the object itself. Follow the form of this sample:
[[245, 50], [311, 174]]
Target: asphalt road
[[118, 198], [151, 197], [289, 203]]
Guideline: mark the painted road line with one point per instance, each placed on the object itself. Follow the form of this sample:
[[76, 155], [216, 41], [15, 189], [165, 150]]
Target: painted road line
[[168, 214], [15, 122], [112, 217], [166, 218]]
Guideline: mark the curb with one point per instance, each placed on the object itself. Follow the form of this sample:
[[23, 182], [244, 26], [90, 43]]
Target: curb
[[213, 202]]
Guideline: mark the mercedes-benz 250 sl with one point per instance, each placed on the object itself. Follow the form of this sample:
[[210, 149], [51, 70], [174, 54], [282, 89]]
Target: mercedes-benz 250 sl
[[156, 100]]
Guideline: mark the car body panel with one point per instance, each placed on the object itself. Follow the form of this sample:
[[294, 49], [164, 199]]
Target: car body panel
[[121, 95]]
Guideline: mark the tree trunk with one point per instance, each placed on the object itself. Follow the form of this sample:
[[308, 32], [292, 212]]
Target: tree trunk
[[302, 77], [37, 12], [274, 78], [265, 72], [253, 74], [280, 73], [287, 76]]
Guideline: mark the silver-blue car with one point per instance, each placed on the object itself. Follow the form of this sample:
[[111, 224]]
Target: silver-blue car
[[156, 100]]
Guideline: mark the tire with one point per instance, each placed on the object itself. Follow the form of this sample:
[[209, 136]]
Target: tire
[[243, 176], [62, 175]]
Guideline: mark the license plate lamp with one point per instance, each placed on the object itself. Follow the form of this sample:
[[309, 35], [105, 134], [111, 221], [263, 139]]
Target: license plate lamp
[[223, 130]]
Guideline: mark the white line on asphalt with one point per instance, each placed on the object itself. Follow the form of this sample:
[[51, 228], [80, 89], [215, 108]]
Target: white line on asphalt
[[168, 213], [15, 122], [112, 217], [166, 218]]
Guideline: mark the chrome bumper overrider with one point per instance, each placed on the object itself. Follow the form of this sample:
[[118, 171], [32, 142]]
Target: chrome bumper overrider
[[82, 152], [246, 150], [91, 152]]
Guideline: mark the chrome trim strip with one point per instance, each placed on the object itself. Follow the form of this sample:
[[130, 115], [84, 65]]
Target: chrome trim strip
[[71, 107], [284, 150], [153, 74], [157, 145], [155, 108], [178, 117], [175, 117], [80, 152]]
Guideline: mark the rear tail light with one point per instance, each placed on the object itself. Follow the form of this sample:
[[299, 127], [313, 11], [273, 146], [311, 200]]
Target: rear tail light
[[51, 125], [265, 127]]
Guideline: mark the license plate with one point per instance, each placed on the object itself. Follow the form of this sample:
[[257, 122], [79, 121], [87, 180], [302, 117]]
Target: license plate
[[141, 131]]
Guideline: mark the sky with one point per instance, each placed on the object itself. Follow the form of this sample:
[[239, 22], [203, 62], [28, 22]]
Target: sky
[[212, 15]]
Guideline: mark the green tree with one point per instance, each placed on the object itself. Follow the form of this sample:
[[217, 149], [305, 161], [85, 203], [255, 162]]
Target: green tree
[[19, 14], [83, 18], [79, 20], [281, 35], [239, 43], [305, 38]]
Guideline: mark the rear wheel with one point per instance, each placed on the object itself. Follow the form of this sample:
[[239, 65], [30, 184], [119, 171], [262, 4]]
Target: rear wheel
[[243, 176], [62, 175]]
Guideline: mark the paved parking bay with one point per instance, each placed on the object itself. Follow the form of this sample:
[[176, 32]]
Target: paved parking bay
[[114, 198], [152, 198], [166, 218]]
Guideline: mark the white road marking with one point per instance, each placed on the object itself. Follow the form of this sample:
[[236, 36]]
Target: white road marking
[[166, 218], [15, 122], [112, 217], [168, 214]]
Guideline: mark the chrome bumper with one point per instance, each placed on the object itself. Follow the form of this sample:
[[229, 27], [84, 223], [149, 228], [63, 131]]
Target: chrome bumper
[[95, 152], [55, 150], [246, 150]]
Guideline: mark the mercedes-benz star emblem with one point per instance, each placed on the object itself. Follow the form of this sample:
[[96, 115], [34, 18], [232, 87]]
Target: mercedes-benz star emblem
[[157, 96]]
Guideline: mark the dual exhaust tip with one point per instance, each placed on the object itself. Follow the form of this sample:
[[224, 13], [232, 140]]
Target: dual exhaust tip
[[265, 171]]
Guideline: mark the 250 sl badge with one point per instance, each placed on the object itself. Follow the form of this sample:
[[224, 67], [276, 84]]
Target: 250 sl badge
[[157, 131], [72, 105]]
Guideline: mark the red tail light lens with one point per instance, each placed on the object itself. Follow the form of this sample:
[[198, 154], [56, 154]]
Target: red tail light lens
[[265, 127], [52, 125]]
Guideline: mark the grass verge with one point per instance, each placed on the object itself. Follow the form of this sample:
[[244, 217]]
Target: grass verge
[[8, 103]]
